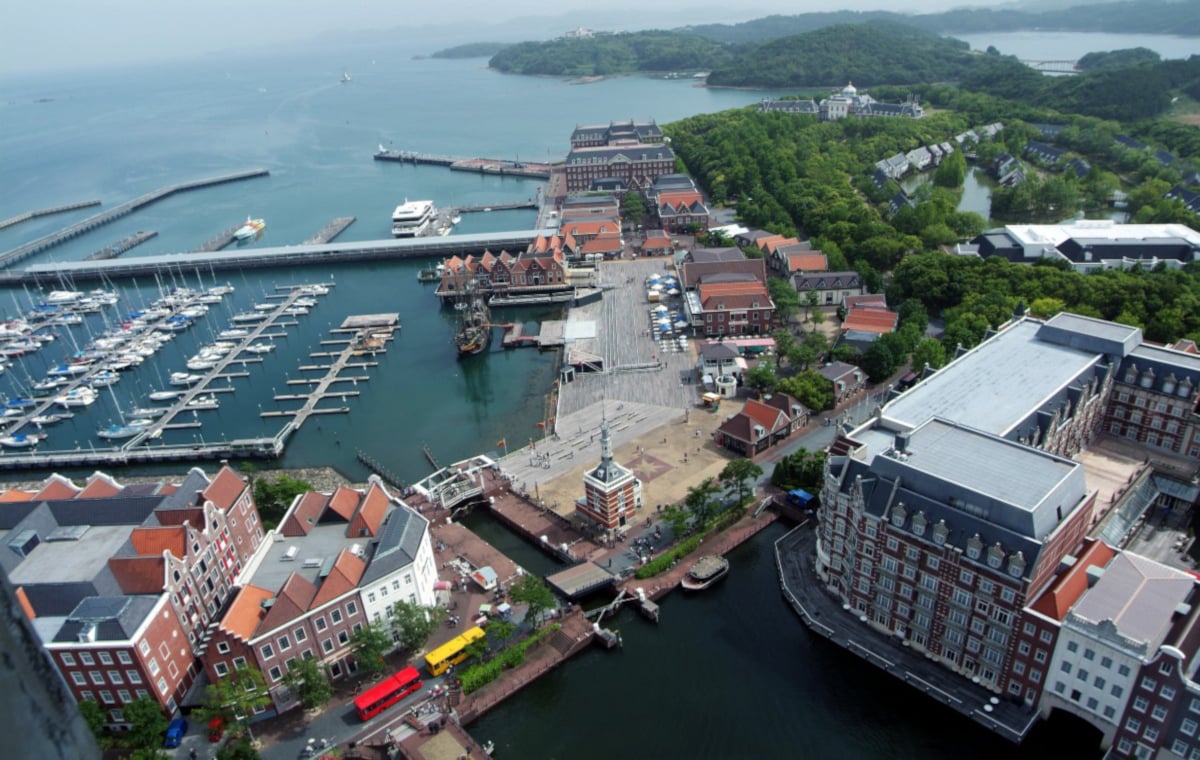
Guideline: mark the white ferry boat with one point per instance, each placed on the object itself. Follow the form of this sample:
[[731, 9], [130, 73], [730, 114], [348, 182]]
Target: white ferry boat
[[412, 218]]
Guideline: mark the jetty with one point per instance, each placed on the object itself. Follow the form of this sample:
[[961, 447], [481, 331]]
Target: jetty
[[331, 230], [219, 241], [264, 257], [122, 245], [499, 167], [12, 220]]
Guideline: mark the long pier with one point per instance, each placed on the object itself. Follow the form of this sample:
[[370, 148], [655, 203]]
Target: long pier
[[494, 207], [12, 220], [277, 256], [20, 253], [499, 167], [122, 245], [331, 230], [219, 241]]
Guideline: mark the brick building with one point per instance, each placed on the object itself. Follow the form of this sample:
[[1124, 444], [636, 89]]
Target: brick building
[[612, 493], [634, 166]]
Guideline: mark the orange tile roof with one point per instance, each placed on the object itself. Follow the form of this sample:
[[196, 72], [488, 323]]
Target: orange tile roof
[[23, 600], [305, 515], [246, 612], [591, 227], [654, 243], [601, 245], [152, 542], [766, 245], [345, 574], [16, 494], [293, 600], [1057, 600], [139, 575], [225, 488], [57, 487], [344, 501], [871, 319], [708, 290], [370, 513], [767, 416], [99, 486], [808, 261]]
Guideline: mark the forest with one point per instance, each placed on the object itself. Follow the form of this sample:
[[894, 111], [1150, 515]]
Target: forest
[[608, 54]]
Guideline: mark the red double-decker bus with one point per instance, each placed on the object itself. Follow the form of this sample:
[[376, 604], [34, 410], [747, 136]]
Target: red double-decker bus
[[387, 693]]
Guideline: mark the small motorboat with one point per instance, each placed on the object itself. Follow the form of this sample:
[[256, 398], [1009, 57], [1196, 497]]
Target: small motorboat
[[118, 432], [182, 378], [203, 402], [148, 411], [200, 364], [22, 440], [141, 422], [708, 570], [104, 379], [43, 420], [165, 395], [259, 348], [83, 396], [235, 332]]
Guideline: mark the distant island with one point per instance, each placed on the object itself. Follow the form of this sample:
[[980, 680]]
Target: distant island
[[472, 50]]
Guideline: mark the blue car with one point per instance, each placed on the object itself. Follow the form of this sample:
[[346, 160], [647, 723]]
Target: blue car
[[175, 732]]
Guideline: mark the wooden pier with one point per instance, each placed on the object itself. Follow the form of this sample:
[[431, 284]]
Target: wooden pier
[[331, 230], [122, 245], [9, 222], [499, 167], [45, 242]]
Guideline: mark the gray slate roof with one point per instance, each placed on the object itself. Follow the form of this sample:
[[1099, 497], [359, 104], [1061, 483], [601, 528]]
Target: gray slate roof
[[398, 544], [116, 618]]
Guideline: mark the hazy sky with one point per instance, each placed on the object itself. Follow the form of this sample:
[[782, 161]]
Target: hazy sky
[[62, 34]]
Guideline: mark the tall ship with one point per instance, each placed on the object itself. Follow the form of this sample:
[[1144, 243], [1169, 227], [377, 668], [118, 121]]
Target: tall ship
[[412, 218], [474, 327], [250, 229]]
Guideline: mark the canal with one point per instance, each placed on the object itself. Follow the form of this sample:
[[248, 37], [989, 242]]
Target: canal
[[733, 673]]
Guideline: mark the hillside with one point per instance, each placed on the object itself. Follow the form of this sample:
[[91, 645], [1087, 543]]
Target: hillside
[[606, 54]]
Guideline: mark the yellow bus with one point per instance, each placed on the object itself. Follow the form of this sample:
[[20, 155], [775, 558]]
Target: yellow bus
[[452, 652]]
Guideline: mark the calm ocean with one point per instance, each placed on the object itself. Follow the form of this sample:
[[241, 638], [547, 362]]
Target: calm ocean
[[731, 673]]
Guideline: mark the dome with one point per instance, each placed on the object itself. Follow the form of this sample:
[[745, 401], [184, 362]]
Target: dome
[[850, 90]]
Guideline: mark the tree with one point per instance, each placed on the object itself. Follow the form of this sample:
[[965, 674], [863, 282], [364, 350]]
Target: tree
[[802, 469], [500, 629], [239, 748], [412, 624], [93, 716], [273, 497], [308, 681], [235, 698], [147, 723], [370, 643], [699, 500], [929, 351], [761, 377], [738, 472], [809, 388], [633, 207], [529, 589]]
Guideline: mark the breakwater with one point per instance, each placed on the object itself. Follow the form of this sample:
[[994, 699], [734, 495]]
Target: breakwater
[[20, 253], [9, 222]]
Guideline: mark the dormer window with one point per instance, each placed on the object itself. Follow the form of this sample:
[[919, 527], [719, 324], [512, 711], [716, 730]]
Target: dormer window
[[995, 556], [940, 531], [974, 547], [918, 524]]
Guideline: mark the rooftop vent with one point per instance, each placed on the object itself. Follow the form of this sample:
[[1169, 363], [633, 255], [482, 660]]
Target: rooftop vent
[[1094, 573], [1183, 609], [290, 554], [314, 562]]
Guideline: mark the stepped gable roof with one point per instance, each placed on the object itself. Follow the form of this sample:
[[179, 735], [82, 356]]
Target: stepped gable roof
[[57, 487], [112, 618], [152, 542], [371, 512], [246, 612], [1057, 600], [225, 488], [305, 515], [399, 541], [344, 502], [99, 486], [139, 575], [293, 600], [826, 280], [343, 577]]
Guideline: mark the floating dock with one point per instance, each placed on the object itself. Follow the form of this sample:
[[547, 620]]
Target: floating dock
[[122, 245], [331, 230], [20, 253], [499, 167], [9, 222]]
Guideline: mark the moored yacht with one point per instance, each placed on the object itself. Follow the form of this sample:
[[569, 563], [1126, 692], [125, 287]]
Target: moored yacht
[[412, 218]]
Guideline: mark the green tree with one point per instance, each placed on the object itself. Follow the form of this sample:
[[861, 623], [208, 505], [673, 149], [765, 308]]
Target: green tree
[[633, 207], [737, 472], [413, 624], [785, 298], [274, 496], [952, 171], [93, 716], [501, 630], [699, 500], [761, 377], [369, 644], [811, 302], [238, 748], [801, 469], [929, 351], [531, 590], [809, 388], [308, 681], [147, 723], [235, 698]]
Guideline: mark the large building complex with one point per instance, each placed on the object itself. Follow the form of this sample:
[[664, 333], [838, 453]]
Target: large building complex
[[957, 521], [1092, 244]]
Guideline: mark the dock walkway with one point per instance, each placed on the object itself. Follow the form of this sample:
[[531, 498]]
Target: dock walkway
[[123, 245], [500, 167], [9, 222], [12, 256], [331, 230]]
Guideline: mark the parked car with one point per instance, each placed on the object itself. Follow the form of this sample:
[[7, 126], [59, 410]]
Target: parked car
[[175, 732], [216, 729]]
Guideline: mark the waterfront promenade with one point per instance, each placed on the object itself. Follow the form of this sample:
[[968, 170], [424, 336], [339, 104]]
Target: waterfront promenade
[[823, 615]]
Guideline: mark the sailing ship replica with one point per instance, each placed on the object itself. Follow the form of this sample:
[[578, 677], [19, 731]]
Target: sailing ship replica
[[474, 327]]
